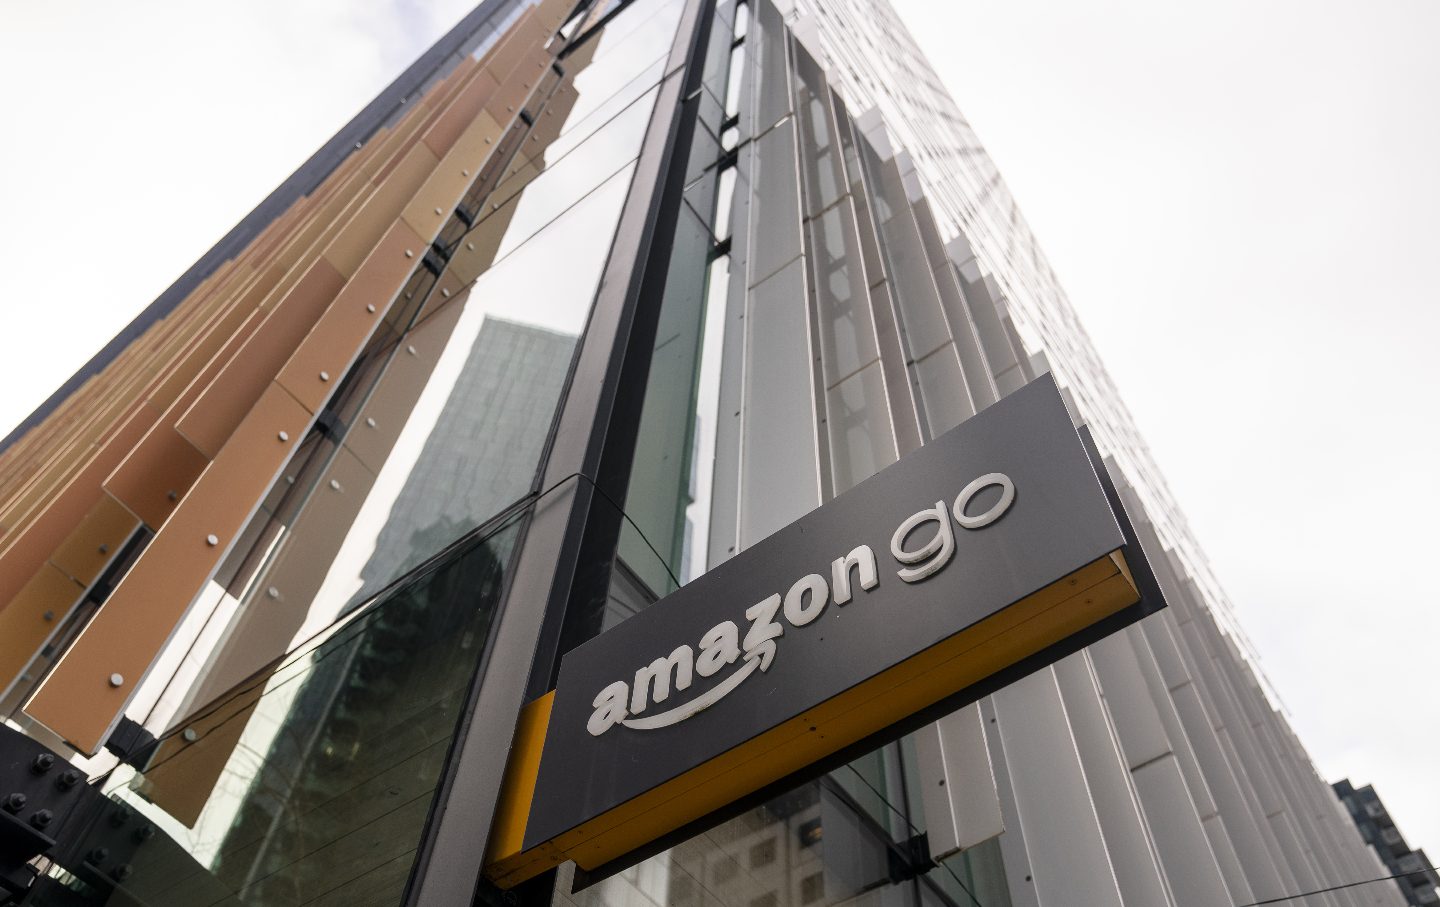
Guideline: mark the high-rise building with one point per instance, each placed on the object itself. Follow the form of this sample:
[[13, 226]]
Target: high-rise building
[[595, 297], [1413, 869]]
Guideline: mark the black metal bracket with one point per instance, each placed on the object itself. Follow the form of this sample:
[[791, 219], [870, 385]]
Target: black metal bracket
[[910, 858]]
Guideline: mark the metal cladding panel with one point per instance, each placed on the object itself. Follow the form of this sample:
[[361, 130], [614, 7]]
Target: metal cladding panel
[[28, 547], [320, 360], [216, 412], [442, 132], [156, 474], [349, 249], [1058, 523], [24, 626], [81, 699], [434, 201], [95, 542]]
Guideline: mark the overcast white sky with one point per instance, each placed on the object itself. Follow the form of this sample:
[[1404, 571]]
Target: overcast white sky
[[1242, 198]]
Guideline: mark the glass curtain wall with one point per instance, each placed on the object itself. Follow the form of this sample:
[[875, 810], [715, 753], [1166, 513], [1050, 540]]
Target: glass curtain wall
[[306, 708]]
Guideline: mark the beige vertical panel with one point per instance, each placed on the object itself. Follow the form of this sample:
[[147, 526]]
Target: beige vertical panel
[[434, 203], [24, 625], [27, 549], [189, 771], [156, 474], [552, 13], [524, 38], [43, 603], [95, 542], [350, 247], [516, 85], [215, 412], [449, 292], [207, 355], [442, 134], [79, 700], [392, 402], [184, 774], [265, 626], [476, 252], [332, 345]]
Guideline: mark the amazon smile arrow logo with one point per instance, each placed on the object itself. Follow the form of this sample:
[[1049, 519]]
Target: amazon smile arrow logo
[[722, 646]]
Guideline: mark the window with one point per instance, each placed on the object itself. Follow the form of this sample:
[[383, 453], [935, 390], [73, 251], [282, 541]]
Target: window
[[762, 854]]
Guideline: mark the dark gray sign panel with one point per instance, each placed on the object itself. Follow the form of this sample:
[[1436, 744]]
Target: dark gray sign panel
[[982, 550]]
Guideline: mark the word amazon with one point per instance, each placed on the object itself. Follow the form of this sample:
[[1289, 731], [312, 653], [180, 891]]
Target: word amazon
[[720, 647]]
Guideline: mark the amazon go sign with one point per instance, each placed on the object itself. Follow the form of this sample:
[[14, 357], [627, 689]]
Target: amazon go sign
[[988, 552], [922, 545]]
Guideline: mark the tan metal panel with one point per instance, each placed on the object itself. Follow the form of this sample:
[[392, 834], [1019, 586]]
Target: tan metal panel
[[264, 629], [516, 85], [379, 423], [185, 774], [95, 542], [29, 547], [525, 37], [364, 230], [215, 413], [551, 13], [87, 691], [32, 616], [442, 134], [193, 372], [157, 474], [434, 202], [450, 293], [322, 359]]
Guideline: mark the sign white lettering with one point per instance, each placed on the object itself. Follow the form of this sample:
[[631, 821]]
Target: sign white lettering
[[622, 702]]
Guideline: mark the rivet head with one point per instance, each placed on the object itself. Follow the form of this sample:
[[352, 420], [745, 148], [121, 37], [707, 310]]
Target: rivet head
[[48, 616], [370, 308], [409, 253], [335, 484], [437, 211], [272, 592], [104, 549], [487, 140], [464, 172], [212, 540], [283, 436], [118, 680], [370, 422], [190, 735], [410, 350], [172, 495], [324, 376], [470, 246], [444, 292]]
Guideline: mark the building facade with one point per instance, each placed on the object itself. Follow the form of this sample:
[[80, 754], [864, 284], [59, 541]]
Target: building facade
[[1410, 865], [595, 296]]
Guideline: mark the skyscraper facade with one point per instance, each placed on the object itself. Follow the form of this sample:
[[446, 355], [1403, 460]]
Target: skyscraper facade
[[595, 297]]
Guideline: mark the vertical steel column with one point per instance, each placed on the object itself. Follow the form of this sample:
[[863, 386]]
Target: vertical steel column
[[564, 561]]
